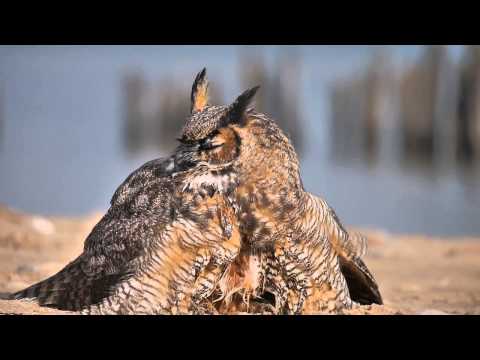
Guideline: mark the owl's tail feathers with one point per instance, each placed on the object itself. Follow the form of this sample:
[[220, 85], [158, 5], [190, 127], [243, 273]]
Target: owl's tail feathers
[[69, 289], [50, 291], [361, 284]]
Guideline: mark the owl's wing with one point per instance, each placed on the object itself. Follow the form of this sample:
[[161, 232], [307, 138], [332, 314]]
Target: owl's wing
[[157, 247], [351, 248], [115, 246], [347, 244], [108, 259]]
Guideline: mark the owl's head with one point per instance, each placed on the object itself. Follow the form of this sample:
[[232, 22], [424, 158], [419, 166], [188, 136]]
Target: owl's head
[[235, 138]]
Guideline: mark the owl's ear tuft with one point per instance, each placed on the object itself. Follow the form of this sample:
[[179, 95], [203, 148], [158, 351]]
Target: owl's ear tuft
[[237, 110], [199, 96]]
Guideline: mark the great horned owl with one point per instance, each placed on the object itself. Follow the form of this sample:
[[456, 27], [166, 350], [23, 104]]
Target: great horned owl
[[170, 231], [226, 213], [292, 243]]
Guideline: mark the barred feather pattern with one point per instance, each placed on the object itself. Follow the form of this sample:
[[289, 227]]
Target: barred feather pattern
[[349, 245], [310, 258], [226, 213], [153, 251], [304, 243]]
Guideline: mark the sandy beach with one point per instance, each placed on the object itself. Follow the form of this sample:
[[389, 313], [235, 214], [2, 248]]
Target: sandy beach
[[416, 274]]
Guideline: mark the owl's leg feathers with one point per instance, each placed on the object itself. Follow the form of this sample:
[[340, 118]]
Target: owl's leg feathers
[[276, 284], [204, 286], [296, 277], [312, 273], [213, 268]]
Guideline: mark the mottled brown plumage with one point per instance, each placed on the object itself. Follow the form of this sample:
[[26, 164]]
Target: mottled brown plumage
[[292, 242], [295, 235], [167, 236], [223, 221]]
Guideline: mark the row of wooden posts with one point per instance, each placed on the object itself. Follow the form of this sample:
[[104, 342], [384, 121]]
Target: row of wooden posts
[[429, 110], [154, 112]]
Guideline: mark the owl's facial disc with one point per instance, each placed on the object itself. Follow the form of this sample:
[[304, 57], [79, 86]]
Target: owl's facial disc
[[215, 151], [208, 162], [222, 146]]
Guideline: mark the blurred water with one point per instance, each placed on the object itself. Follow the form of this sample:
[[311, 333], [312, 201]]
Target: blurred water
[[62, 151]]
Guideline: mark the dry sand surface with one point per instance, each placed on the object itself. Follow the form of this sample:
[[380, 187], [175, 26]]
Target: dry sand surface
[[416, 275]]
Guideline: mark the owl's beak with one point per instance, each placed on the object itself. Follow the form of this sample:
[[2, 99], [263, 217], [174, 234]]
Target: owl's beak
[[185, 156]]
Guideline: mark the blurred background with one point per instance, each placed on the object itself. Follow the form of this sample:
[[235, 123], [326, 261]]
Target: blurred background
[[388, 135]]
